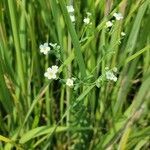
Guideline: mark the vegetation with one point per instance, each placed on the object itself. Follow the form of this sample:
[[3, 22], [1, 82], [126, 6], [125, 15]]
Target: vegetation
[[98, 98]]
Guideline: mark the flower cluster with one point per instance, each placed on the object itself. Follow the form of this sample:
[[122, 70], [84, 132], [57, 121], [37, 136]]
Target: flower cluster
[[71, 12], [110, 74], [51, 72], [118, 16], [45, 48]]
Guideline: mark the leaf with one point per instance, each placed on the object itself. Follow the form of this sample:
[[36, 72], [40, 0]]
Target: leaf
[[5, 96], [5, 139]]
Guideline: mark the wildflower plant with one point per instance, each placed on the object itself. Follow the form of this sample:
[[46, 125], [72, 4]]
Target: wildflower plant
[[66, 93]]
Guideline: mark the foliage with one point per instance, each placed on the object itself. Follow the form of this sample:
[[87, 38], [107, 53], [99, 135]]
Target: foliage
[[106, 57]]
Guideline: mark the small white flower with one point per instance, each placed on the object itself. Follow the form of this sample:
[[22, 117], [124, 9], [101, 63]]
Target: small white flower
[[111, 76], [86, 20], [72, 17], [55, 68], [70, 9], [109, 24], [118, 16], [44, 48], [123, 34], [50, 74], [69, 82]]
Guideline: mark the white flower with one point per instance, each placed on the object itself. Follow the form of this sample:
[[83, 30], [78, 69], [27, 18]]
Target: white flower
[[109, 24], [70, 9], [123, 34], [55, 68], [86, 20], [72, 17], [69, 82], [111, 76], [44, 48], [118, 16], [51, 72]]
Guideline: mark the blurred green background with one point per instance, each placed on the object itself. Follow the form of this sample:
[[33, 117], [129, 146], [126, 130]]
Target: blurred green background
[[41, 114]]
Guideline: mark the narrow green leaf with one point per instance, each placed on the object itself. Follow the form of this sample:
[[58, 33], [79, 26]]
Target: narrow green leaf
[[48, 130], [75, 41], [5, 96]]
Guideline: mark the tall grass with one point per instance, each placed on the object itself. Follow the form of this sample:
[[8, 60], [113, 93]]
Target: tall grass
[[37, 113]]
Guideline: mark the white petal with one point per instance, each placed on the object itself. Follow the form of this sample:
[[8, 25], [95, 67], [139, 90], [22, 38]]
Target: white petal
[[45, 52], [86, 20], [70, 9], [55, 69], [41, 50], [46, 74], [115, 78], [49, 69], [72, 17], [41, 46], [45, 44], [54, 76], [49, 77]]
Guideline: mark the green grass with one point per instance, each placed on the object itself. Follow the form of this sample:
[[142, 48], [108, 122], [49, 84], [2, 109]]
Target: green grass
[[96, 113]]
